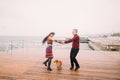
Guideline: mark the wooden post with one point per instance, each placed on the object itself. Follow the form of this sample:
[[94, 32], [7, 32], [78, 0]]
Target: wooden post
[[11, 47], [23, 44]]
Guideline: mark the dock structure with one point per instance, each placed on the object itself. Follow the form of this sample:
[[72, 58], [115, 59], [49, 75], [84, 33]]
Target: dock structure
[[104, 44], [27, 65]]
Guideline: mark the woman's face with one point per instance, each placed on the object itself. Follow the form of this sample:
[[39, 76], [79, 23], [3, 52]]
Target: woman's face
[[51, 35]]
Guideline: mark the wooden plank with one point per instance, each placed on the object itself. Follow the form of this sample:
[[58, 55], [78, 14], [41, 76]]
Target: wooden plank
[[27, 65]]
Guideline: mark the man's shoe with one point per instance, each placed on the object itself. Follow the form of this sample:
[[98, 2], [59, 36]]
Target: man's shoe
[[49, 69], [71, 68], [77, 68]]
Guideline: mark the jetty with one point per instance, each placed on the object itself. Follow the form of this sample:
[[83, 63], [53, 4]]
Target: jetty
[[26, 64], [104, 44]]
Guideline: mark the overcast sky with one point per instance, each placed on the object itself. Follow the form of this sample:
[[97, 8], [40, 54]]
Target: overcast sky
[[39, 17]]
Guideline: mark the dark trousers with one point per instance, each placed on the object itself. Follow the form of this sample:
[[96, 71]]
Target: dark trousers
[[73, 55]]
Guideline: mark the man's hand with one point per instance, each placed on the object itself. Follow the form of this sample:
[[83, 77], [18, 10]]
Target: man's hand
[[60, 41]]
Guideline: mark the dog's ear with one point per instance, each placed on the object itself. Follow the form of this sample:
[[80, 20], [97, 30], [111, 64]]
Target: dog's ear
[[56, 61]]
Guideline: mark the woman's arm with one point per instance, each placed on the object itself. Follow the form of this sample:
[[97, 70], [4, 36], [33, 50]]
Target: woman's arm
[[58, 41]]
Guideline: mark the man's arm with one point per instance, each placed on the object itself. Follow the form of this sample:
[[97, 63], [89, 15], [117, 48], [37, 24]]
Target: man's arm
[[68, 41]]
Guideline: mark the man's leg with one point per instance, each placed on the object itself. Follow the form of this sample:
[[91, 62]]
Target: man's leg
[[74, 59], [71, 59]]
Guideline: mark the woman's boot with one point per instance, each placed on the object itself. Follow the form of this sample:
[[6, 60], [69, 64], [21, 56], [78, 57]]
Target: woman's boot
[[49, 64], [45, 63]]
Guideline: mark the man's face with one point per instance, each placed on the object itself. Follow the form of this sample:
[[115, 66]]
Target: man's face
[[74, 32]]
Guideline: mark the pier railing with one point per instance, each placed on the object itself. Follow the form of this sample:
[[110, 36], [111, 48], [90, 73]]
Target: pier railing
[[18, 44], [105, 44]]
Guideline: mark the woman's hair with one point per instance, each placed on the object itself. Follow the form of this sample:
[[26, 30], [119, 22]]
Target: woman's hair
[[45, 39]]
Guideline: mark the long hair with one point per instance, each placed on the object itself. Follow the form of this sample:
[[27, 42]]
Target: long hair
[[45, 39]]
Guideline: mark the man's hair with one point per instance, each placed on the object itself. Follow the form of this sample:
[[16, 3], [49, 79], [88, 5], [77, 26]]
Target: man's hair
[[75, 30]]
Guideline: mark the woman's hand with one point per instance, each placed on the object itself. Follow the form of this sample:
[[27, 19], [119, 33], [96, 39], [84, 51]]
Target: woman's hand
[[59, 41]]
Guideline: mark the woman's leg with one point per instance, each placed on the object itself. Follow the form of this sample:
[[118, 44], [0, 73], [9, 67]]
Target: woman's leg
[[49, 64], [45, 62]]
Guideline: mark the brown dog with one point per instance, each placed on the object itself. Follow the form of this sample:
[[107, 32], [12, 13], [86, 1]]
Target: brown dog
[[59, 64]]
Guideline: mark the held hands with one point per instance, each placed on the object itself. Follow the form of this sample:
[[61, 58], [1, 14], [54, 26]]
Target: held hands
[[60, 41]]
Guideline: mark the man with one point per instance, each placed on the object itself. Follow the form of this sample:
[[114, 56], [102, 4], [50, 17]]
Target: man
[[74, 50]]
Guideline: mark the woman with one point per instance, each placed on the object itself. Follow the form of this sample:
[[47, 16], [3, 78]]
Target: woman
[[49, 55]]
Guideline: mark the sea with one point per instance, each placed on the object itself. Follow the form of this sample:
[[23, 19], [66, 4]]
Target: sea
[[19, 42]]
